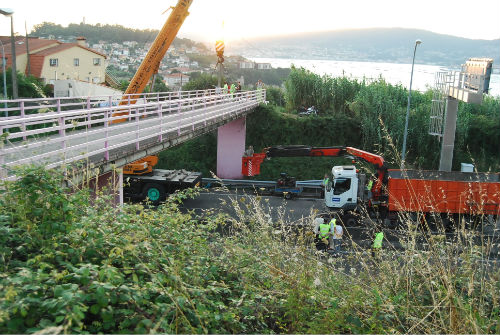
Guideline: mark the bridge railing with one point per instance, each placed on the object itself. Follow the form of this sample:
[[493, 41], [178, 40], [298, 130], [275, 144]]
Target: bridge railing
[[71, 133], [36, 105]]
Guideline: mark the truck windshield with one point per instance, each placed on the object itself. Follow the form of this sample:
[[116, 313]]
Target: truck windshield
[[341, 185]]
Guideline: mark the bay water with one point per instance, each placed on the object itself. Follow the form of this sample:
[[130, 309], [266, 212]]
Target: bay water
[[393, 73]]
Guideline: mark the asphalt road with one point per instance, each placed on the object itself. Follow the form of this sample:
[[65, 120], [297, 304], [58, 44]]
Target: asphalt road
[[300, 211], [296, 211]]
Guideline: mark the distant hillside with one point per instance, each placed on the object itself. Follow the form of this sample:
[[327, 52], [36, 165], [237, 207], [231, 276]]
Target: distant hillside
[[95, 33], [393, 45]]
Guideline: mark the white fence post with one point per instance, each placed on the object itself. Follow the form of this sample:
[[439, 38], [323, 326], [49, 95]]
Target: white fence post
[[179, 119], [23, 115], [160, 115], [88, 113], [62, 124]]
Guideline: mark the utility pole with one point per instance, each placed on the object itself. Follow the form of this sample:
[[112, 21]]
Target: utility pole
[[14, 69], [28, 65]]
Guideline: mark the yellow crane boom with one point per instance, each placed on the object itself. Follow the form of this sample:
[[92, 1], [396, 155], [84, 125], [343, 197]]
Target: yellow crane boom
[[148, 67], [153, 58]]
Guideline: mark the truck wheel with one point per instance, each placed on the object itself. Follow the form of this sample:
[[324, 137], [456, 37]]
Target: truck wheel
[[154, 192], [350, 220], [288, 195]]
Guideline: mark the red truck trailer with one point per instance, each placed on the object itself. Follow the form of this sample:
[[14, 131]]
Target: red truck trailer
[[443, 192]]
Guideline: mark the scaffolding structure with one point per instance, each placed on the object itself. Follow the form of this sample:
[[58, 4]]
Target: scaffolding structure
[[443, 82], [467, 85]]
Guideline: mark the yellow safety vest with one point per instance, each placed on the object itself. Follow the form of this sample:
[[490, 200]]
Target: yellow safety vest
[[324, 229], [377, 243]]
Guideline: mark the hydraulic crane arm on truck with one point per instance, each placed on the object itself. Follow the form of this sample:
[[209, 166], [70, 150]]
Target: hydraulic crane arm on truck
[[251, 164]]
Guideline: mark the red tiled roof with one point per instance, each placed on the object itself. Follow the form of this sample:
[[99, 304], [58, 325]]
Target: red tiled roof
[[64, 46], [36, 65], [34, 44]]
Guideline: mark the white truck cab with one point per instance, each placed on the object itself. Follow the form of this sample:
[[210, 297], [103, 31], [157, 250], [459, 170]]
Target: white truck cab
[[342, 191]]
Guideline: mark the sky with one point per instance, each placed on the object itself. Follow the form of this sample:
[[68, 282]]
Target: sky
[[245, 19]]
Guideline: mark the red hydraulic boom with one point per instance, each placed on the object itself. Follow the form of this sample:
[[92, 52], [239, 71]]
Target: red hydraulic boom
[[251, 164]]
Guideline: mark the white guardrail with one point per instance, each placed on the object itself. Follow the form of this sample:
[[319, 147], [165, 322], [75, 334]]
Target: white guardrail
[[57, 131]]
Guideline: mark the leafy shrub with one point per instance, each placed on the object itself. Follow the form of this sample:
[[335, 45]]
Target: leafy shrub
[[201, 82], [275, 96]]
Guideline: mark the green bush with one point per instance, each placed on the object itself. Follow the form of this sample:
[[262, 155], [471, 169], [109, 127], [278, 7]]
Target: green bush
[[201, 82], [27, 86], [275, 96]]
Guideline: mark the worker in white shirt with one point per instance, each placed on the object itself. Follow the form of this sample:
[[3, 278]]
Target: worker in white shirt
[[337, 238]]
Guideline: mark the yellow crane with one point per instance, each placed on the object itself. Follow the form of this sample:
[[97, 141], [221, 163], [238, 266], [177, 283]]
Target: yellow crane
[[147, 69], [151, 62]]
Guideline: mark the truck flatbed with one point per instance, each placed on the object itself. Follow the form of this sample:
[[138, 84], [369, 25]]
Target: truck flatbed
[[156, 185]]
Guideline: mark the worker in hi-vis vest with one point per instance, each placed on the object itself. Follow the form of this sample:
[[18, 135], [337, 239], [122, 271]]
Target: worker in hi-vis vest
[[369, 186], [324, 184], [326, 180], [232, 89], [323, 232], [377, 243]]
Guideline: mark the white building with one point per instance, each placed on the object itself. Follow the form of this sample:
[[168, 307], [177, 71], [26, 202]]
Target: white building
[[263, 66], [176, 79], [247, 65]]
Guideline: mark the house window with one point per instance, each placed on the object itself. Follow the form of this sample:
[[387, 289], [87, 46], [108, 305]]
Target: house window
[[76, 61], [54, 62], [97, 61]]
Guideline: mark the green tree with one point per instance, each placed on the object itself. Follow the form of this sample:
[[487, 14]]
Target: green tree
[[28, 86], [203, 81]]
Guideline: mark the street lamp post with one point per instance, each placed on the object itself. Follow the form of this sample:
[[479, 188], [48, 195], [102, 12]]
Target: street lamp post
[[4, 79], [403, 154], [10, 12]]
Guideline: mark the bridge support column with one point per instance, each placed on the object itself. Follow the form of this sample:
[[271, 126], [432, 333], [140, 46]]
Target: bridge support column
[[230, 149], [448, 143], [110, 183]]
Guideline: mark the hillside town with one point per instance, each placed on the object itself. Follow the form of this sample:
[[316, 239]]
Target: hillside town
[[106, 63]]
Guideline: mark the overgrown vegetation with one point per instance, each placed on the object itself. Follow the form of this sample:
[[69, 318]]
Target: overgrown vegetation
[[369, 116], [70, 265], [27, 86], [380, 109]]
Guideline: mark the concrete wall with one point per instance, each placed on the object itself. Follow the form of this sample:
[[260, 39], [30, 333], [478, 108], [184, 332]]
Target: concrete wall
[[74, 88]]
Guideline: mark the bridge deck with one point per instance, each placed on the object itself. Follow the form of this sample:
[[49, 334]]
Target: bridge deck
[[87, 137]]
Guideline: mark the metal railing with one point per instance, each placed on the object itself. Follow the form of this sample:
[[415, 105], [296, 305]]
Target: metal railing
[[68, 130]]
